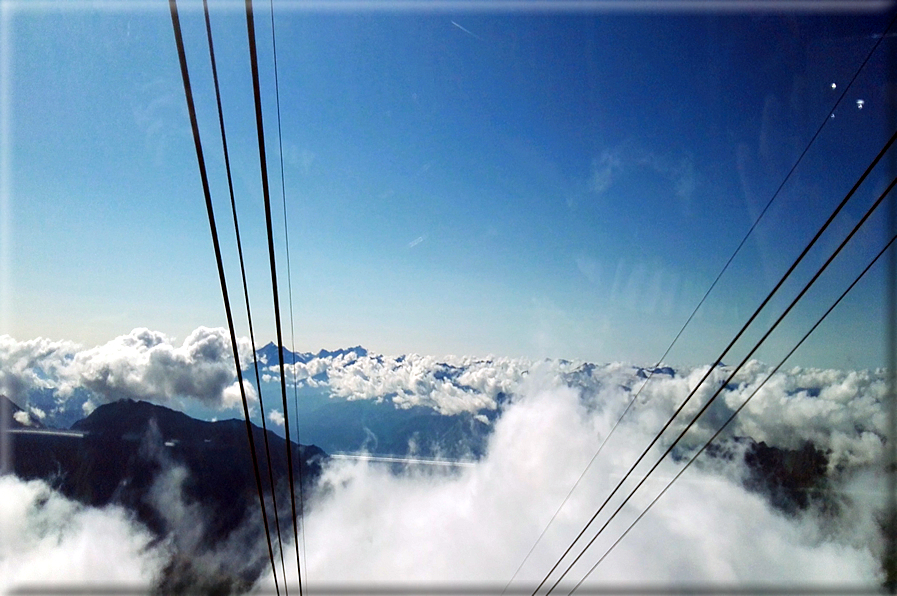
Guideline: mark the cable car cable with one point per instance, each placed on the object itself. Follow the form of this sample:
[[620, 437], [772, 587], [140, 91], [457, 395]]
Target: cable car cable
[[726, 382], [735, 413], [188, 93], [706, 294], [263, 163], [286, 236], [719, 359], [258, 383]]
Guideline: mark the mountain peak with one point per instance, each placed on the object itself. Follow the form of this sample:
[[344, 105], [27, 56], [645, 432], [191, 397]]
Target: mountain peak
[[358, 350], [269, 355]]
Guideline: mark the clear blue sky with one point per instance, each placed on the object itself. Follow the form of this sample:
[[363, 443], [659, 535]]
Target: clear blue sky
[[560, 185]]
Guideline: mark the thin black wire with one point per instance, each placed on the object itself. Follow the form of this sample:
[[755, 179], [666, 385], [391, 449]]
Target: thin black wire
[[233, 204], [250, 27], [726, 382], [890, 459], [735, 413], [182, 57], [719, 359], [707, 293], [776, 193], [286, 236]]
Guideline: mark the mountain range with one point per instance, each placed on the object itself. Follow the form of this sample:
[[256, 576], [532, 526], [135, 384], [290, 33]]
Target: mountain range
[[269, 355]]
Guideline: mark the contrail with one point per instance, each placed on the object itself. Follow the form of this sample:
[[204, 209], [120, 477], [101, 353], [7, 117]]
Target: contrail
[[467, 31]]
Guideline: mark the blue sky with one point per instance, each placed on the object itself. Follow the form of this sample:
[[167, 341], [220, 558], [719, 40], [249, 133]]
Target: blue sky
[[542, 185]]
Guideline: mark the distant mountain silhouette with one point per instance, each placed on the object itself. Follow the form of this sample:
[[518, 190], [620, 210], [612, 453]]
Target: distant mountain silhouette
[[137, 455], [270, 356], [644, 373]]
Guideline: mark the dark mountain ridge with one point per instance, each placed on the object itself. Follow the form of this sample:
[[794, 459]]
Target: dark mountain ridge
[[129, 448]]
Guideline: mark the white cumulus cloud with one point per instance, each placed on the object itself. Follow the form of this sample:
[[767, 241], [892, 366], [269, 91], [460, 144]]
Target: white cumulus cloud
[[276, 416], [143, 364], [47, 540], [476, 524], [32, 364], [148, 365], [449, 386]]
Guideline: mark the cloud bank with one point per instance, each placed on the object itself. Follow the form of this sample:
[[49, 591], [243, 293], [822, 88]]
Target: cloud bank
[[839, 411], [478, 523], [143, 364], [459, 385]]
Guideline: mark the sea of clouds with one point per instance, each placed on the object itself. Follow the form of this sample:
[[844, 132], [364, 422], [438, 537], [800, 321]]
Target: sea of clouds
[[371, 523]]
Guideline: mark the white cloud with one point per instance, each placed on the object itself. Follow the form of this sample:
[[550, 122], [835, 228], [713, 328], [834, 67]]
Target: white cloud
[[32, 364], [450, 386], [626, 158], [276, 416], [46, 539], [838, 410], [143, 364], [232, 398], [147, 365], [300, 372], [478, 523]]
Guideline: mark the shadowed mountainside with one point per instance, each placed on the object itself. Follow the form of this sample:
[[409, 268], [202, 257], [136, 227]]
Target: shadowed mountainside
[[191, 482]]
